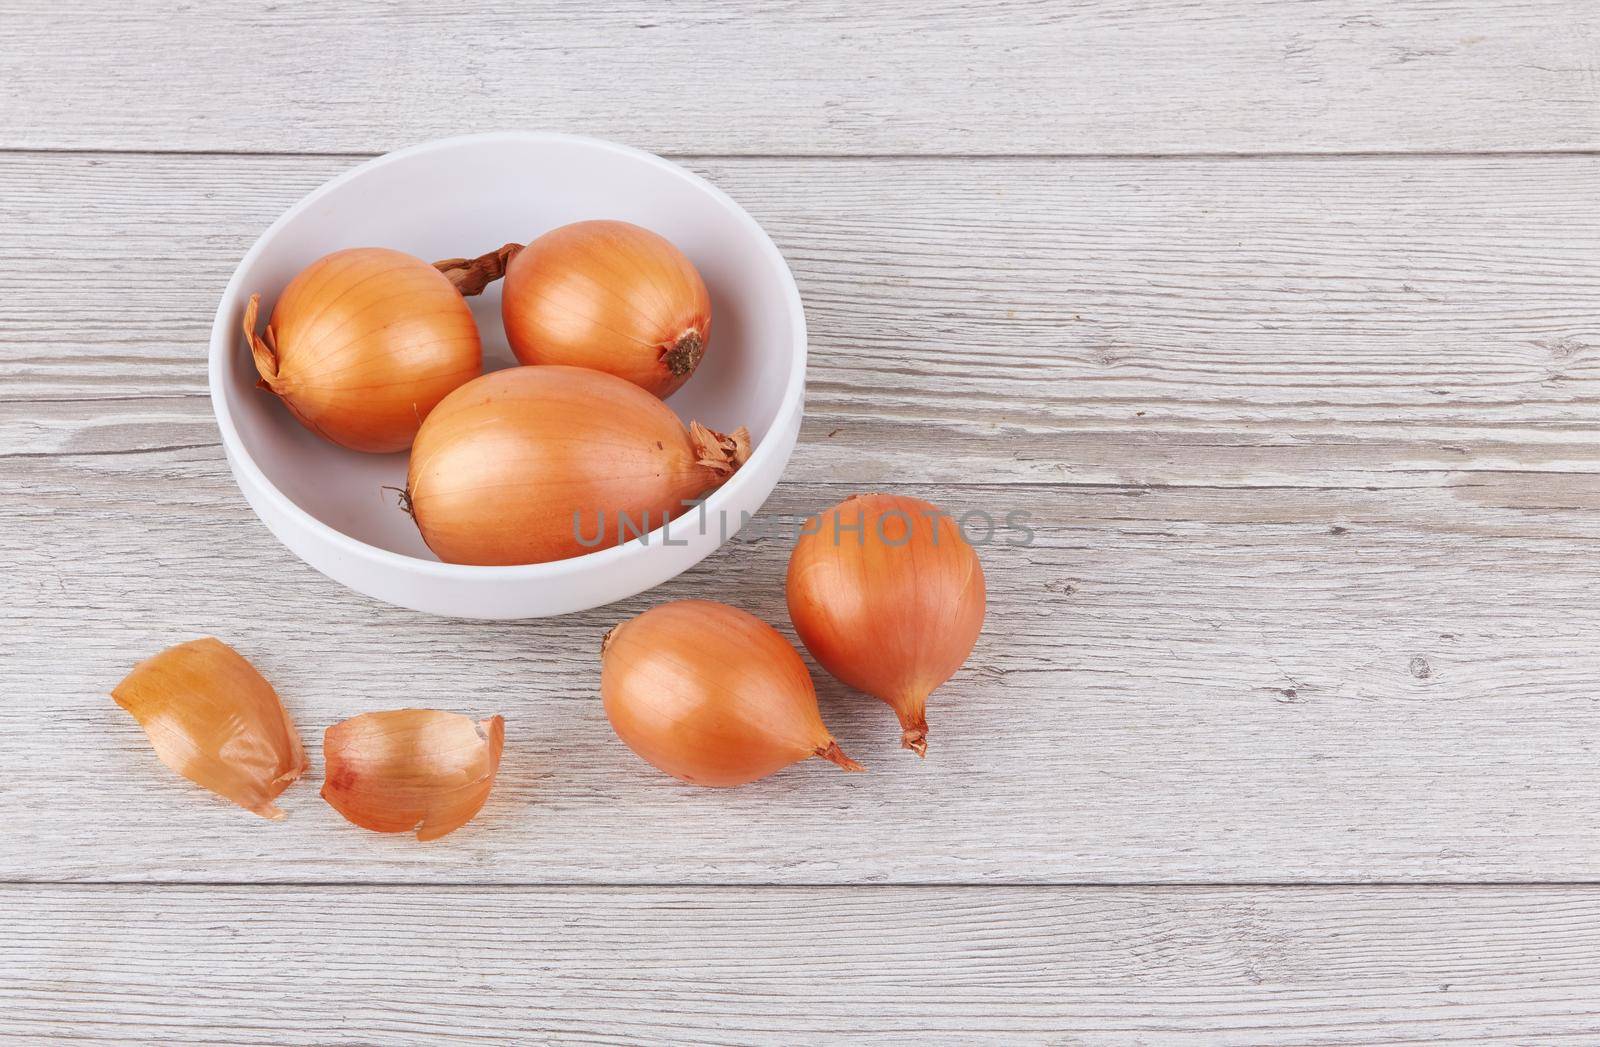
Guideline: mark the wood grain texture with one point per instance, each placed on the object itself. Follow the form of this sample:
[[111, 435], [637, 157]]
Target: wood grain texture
[[835, 77], [1308, 444], [1172, 687], [1225, 968], [1405, 323]]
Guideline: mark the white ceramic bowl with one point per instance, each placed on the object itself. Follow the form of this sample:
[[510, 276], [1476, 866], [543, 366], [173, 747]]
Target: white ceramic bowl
[[464, 196]]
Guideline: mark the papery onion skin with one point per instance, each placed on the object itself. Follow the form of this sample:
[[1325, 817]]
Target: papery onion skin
[[711, 695], [407, 769], [503, 464], [888, 596], [363, 344], [611, 296], [215, 720]]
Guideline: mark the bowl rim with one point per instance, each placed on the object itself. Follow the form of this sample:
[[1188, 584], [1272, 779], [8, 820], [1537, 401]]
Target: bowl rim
[[222, 342]]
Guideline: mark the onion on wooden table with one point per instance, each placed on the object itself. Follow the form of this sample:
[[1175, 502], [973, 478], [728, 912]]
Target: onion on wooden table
[[712, 695], [886, 594]]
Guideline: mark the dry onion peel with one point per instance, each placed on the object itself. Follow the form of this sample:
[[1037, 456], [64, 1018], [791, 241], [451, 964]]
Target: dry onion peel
[[364, 342], [534, 464], [212, 718], [407, 769], [712, 695], [611, 296], [888, 596]]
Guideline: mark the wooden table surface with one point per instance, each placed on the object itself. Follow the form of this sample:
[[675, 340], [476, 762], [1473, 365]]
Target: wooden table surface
[[1281, 319]]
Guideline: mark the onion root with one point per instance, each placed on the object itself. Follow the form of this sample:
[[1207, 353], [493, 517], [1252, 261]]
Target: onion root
[[683, 355]]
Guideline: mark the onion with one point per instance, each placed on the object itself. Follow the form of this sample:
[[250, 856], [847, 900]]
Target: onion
[[362, 345], [212, 718], [610, 296], [407, 769], [712, 695], [888, 596], [534, 464]]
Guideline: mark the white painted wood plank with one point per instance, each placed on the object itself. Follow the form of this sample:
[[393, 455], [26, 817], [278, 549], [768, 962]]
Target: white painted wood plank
[[1177, 687], [1331, 322], [958, 76], [1226, 968], [1312, 612]]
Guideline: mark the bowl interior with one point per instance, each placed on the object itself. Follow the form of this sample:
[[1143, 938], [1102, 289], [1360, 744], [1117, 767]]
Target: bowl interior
[[468, 196]]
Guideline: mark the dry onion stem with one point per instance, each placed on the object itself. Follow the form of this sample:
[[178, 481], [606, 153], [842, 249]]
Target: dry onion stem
[[888, 596], [407, 769], [212, 718], [471, 275], [712, 695]]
